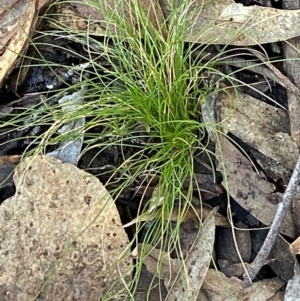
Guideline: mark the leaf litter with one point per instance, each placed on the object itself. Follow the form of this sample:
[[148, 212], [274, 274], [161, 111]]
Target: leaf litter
[[188, 273], [267, 129], [16, 24], [233, 23]]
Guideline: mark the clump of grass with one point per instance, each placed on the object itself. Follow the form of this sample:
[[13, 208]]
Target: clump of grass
[[152, 103], [154, 99], [149, 99]]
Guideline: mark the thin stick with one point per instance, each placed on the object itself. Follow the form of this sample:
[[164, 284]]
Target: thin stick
[[265, 250]]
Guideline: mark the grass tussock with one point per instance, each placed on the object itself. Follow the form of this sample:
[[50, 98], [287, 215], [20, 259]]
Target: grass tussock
[[148, 99]]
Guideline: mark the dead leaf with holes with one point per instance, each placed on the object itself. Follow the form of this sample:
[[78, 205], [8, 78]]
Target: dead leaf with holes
[[61, 236], [247, 188], [17, 19]]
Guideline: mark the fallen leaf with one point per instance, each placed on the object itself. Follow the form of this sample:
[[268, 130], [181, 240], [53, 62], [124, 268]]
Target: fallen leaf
[[259, 125], [9, 159], [230, 23], [225, 246], [149, 288], [295, 246], [291, 67], [292, 292], [282, 260], [279, 296], [155, 15], [62, 236], [296, 212], [188, 274], [247, 188], [189, 280], [235, 269], [159, 263], [17, 21], [203, 183], [218, 287], [215, 22]]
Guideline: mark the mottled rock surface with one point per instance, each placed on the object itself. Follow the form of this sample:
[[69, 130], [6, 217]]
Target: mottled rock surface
[[60, 236]]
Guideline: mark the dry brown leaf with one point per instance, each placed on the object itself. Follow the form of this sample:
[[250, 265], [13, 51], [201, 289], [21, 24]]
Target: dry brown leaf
[[225, 247], [42, 4], [264, 128], [235, 269], [293, 100], [205, 183], [60, 217], [295, 246], [148, 287], [279, 296], [296, 212], [247, 188], [261, 290], [84, 18], [227, 22], [292, 292], [157, 260], [9, 159], [154, 12], [216, 22], [189, 281], [171, 270], [81, 19], [282, 260], [218, 287], [273, 169], [7, 165], [258, 124], [291, 65], [234, 106], [17, 21]]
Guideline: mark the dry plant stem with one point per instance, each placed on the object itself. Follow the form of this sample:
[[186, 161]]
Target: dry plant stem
[[265, 250]]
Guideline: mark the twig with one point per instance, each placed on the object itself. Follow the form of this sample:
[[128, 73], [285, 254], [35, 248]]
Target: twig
[[265, 250]]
